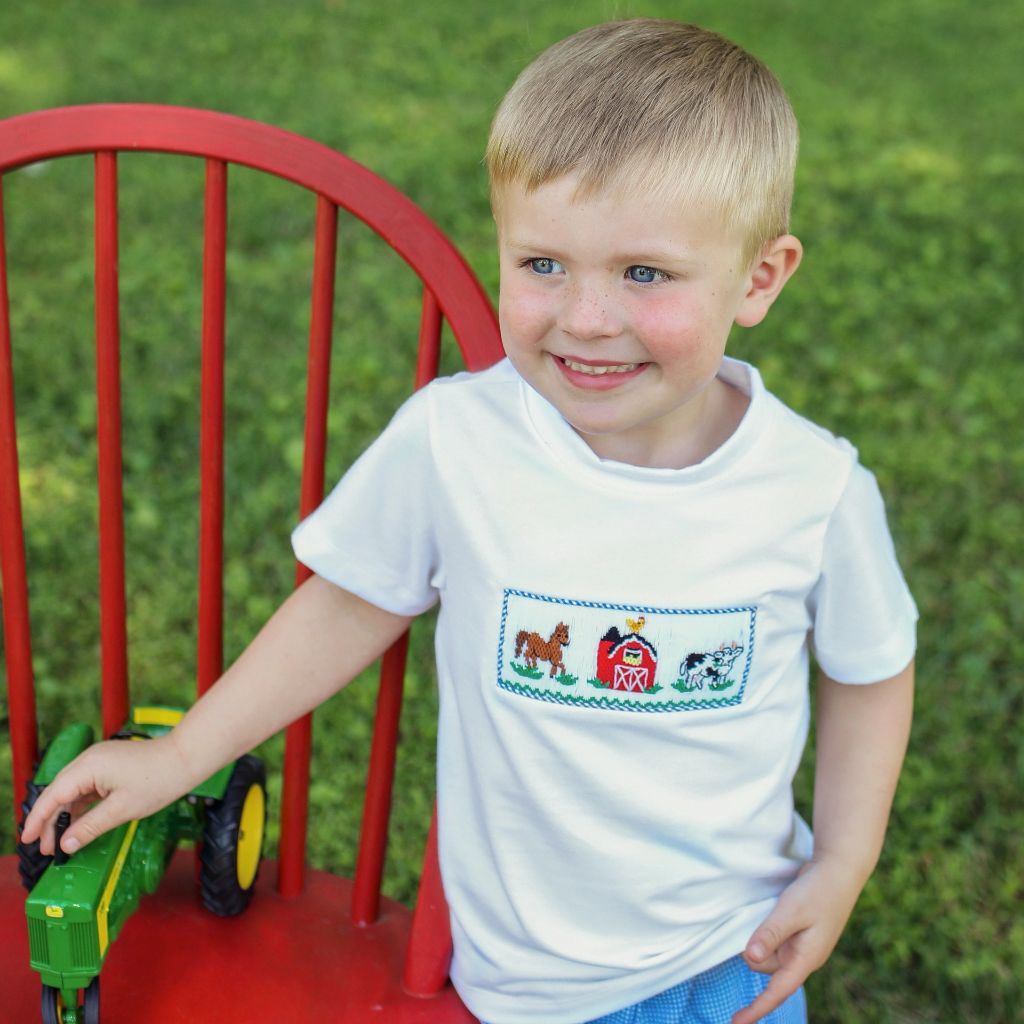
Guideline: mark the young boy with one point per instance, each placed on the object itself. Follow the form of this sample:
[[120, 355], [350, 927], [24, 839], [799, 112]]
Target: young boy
[[634, 546]]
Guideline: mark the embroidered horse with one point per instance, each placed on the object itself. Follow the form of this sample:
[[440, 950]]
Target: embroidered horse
[[533, 647]]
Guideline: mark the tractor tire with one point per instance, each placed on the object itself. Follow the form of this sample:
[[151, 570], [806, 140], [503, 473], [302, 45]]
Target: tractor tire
[[233, 840], [52, 1006], [31, 863], [89, 1011], [91, 1002]]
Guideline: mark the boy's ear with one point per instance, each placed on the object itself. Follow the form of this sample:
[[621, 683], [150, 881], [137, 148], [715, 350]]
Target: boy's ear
[[776, 265]]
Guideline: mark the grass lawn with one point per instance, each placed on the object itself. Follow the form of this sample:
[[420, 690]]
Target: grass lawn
[[902, 331]]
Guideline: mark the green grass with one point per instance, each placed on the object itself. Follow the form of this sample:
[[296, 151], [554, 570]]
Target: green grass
[[902, 330]]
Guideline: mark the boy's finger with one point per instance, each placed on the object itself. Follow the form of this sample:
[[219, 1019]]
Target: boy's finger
[[60, 795], [767, 965], [37, 821], [761, 953], [91, 825], [783, 984]]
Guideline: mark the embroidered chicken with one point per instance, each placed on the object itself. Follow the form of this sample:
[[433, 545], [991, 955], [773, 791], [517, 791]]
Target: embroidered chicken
[[635, 625]]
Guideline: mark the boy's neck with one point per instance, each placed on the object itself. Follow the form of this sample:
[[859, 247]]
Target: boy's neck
[[715, 415]]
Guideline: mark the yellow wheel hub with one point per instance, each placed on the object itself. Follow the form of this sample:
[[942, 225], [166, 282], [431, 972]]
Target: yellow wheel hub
[[250, 835]]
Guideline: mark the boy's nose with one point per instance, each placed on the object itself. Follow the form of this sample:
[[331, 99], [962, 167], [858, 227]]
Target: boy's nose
[[589, 312]]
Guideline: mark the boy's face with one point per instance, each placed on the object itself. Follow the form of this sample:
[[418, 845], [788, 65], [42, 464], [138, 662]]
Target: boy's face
[[617, 310]]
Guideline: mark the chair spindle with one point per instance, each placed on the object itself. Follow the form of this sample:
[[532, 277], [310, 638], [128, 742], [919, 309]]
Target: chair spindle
[[21, 702], [113, 611], [298, 737], [210, 637]]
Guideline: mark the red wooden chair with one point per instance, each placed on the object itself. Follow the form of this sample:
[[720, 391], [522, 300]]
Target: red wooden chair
[[311, 946]]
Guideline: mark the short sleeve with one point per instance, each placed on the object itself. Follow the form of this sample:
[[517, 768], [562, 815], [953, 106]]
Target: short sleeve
[[864, 618], [374, 534]]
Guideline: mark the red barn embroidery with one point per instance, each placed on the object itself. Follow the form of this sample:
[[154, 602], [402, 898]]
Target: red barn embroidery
[[626, 662]]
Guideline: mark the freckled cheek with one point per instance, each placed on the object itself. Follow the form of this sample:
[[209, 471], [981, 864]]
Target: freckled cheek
[[669, 331], [683, 325], [523, 315]]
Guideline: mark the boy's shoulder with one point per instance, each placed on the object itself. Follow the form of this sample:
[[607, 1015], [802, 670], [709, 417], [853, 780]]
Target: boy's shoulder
[[811, 434], [794, 452], [471, 392], [799, 429], [782, 425], [458, 392], [477, 381]]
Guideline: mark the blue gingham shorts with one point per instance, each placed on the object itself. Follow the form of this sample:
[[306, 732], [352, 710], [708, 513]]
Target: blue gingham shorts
[[710, 998]]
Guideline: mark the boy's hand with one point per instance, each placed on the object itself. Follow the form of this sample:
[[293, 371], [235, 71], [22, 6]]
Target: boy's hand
[[797, 937], [862, 736], [129, 780]]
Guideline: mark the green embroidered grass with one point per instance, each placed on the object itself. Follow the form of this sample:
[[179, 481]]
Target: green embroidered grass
[[601, 685], [523, 670], [625, 702], [684, 687]]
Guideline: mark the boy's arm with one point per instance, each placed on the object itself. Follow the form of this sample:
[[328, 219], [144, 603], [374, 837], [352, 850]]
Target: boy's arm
[[314, 645], [862, 734]]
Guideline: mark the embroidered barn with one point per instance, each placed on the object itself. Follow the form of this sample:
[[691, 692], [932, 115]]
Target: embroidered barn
[[626, 662]]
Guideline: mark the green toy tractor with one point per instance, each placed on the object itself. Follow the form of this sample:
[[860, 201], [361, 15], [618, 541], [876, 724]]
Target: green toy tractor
[[77, 905]]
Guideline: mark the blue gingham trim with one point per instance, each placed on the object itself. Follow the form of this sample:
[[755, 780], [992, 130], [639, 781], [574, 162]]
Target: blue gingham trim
[[710, 998]]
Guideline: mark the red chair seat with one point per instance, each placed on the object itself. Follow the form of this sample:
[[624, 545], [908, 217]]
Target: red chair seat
[[285, 959]]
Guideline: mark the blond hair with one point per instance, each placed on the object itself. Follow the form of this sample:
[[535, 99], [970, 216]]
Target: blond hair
[[658, 107]]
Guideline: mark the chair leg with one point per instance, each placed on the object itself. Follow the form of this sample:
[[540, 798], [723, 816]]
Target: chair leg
[[428, 955]]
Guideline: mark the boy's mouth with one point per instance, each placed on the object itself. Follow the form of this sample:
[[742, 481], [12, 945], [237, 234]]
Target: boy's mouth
[[598, 369], [598, 376]]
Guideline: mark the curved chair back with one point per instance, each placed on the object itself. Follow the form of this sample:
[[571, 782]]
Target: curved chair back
[[450, 293]]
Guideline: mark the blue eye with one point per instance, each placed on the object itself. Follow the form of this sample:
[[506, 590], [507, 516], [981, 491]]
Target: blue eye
[[544, 265], [645, 275]]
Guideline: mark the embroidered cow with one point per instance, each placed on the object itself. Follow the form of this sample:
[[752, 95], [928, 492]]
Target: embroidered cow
[[626, 662], [533, 647], [709, 666]]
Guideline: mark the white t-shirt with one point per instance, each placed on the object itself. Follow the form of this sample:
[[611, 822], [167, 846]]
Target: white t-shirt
[[622, 663]]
